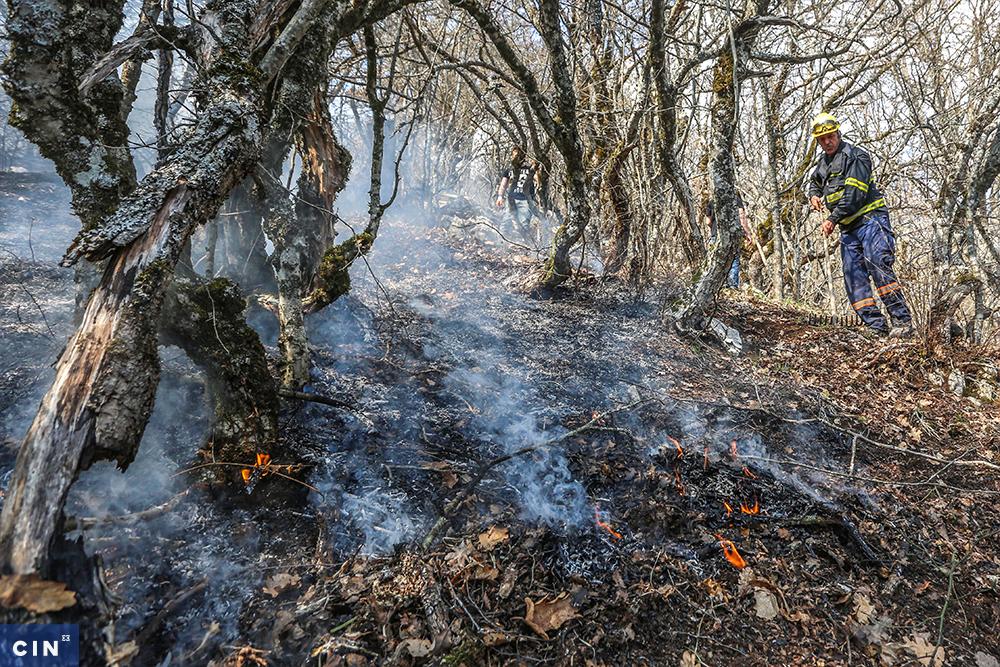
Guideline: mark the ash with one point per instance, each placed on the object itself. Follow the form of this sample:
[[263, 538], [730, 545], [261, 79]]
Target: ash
[[447, 365]]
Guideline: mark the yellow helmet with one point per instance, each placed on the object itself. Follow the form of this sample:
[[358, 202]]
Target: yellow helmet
[[824, 123]]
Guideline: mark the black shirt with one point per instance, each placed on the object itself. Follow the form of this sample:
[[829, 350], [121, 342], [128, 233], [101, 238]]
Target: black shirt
[[522, 182], [844, 181]]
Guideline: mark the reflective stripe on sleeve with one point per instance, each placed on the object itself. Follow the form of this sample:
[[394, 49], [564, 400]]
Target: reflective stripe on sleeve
[[835, 196], [860, 185]]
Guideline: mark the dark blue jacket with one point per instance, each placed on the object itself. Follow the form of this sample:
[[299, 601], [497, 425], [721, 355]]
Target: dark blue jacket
[[844, 181]]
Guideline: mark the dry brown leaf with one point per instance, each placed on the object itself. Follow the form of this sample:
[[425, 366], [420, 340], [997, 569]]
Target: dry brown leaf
[[495, 637], [481, 572], [122, 654], [279, 583], [507, 585], [493, 537], [713, 588], [416, 648], [765, 604], [924, 651], [34, 594], [546, 615], [689, 659], [863, 609]]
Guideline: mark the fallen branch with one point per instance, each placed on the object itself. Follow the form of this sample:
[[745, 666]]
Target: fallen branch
[[86, 523], [826, 422], [269, 470], [843, 523], [150, 629], [315, 398], [870, 480], [489, 465]]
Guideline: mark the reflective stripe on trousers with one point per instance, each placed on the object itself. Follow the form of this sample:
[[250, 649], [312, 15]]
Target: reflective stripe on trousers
[[868, 251]]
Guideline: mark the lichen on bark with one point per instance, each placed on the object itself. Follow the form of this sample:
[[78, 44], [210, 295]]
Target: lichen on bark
[[333, 280]]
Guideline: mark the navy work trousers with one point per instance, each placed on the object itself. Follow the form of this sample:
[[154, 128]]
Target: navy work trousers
[[868, 249]]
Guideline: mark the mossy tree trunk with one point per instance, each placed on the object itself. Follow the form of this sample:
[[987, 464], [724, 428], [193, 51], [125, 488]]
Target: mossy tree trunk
[[725, 120], [205, 319], [667, 92], [333, 279]]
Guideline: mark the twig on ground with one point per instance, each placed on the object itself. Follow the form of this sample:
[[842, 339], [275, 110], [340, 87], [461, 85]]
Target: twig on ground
[[270, 470], [316, 398], [871, 480], [944, 608]]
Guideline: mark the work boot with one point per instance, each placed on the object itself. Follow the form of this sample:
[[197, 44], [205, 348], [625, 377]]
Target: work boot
[[902, 331]]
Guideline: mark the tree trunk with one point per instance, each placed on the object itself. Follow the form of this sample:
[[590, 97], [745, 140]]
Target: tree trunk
[[205, 319], [725, 91], [106, 378]]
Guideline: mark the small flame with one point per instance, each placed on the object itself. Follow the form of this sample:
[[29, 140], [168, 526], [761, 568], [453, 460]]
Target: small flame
[[246, 472], [733, 451], [731, 554], [263, 460], [750, 509], [677, 481], [677, 445], [746, 471], [606, 526], [729, 508]]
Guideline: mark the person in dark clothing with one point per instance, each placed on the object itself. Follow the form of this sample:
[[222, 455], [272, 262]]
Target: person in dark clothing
[[733, 279], [518, 184], [842, 183]]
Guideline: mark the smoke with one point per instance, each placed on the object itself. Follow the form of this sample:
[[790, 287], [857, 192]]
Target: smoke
[[542, 481], [176, 428]]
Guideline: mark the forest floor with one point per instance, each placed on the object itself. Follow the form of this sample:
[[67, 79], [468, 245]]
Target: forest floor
[[857, 488]]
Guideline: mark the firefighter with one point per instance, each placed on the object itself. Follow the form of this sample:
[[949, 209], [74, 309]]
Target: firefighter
[[842, 182], [518, 185]]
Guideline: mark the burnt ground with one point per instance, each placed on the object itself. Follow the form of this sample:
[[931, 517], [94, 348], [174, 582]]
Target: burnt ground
[[876, 486]]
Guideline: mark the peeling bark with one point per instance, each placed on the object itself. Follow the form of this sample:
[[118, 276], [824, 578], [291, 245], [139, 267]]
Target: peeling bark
[[106, 378], [84, 135]]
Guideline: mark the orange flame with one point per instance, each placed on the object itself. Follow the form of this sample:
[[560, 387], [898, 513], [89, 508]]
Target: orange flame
[[606, 526], [677, 481], [746, 471], [748, 509], [729, 508], [731, 554], [733, 451], [677, 444], [263, 460]]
